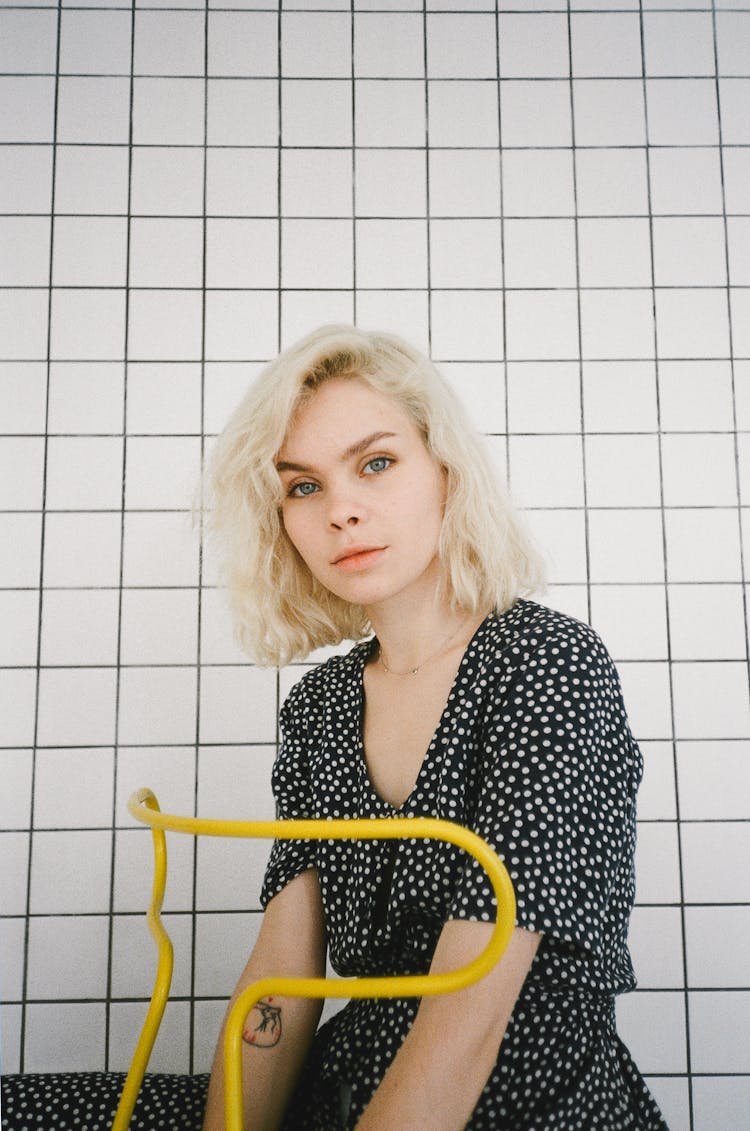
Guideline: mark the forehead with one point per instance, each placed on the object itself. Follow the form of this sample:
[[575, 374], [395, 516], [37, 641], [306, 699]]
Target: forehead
[[340, 410]]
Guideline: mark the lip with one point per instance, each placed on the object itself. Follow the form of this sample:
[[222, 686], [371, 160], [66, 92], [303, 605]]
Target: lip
[[358, 557]]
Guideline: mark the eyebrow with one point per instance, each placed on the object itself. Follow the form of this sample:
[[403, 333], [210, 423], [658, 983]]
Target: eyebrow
[[354, 449]]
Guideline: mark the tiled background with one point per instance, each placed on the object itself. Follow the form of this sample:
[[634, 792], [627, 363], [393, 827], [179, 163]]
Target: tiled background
[[555, 200]]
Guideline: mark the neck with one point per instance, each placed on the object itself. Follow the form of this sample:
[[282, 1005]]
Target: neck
[[413, 636]]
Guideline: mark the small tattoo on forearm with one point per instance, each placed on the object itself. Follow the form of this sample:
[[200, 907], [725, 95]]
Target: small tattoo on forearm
[[263, 1025]]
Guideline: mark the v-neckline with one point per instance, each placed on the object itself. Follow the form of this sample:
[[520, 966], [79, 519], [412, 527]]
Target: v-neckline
[[425, 765]]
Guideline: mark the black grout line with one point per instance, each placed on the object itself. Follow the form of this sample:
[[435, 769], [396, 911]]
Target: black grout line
[[30, 858]]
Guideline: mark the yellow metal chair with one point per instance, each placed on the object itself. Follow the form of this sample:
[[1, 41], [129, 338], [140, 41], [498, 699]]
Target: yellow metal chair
[[145, 808]]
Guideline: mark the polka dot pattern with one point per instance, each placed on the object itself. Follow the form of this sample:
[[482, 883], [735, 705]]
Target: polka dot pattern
[[533, 752], [87, 1101]]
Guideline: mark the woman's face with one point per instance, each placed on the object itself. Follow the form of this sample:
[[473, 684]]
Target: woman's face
[[363, 498]]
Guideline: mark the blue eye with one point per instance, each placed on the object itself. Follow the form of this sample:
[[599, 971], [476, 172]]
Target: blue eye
[[302, 490], [377, 464]]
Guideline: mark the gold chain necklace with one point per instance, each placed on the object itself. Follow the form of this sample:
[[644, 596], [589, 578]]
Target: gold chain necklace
[[413, 671]]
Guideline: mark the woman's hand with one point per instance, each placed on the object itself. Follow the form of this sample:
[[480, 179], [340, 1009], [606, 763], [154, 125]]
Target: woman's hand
[[440, 1070]]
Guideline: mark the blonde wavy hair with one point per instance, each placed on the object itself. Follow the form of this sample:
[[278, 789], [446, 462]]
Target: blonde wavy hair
[[281, 611]]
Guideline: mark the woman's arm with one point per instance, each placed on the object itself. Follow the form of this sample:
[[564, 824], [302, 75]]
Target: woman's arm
[[440, 1070], [277, 1033]]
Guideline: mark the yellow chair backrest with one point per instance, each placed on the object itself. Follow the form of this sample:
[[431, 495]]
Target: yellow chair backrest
[[145, 808]]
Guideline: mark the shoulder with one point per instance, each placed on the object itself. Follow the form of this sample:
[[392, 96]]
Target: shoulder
[[332, 680], [530, 632]]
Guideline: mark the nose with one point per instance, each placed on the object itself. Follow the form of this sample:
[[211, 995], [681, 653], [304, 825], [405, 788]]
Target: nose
[[343, 509]]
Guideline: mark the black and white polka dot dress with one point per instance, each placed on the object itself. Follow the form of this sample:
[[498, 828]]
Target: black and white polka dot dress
[[533, 752]]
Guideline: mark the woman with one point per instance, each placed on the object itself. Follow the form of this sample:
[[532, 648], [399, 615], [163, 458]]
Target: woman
[[352, 498]]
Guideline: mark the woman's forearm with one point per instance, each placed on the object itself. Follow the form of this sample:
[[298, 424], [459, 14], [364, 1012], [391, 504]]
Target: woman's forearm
[[276, 1038]]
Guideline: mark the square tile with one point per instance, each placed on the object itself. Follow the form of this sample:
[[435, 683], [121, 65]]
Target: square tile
[[720, 1101], [23, 325], [692, 323], [166, 252], [27, 108], [533, 45], [15, 802], [316, 112], [481, 388], [27, 180], [159, 549], [465, 253], [652, 1025], [91, 179], [622, 471], [168, 43], [82, 549], [461, 45], [168, 771], [93, 110], [647, 698], [561, 536], [70, 872], [238, 704], [167, 180], [316, 253], [733, 41], [462, 114], [87, 324], [537, 182], [303, 311], [405, 313], [316, 182], [695, 396], [168, 111], [539, 253], [714, 859], [28, 42], [718, 946], [605, 43], [711, 700], [94, 42], [699, 470], [655, 942], [242, 253], [617, 324], [703, 544], [706, 622], [12, 942], [84, 472], [21, 472], [609, 112], [14, 872], [388, 45], [20, 549], [391, 183], [241, 182], [134, 867], [56, 945], [134, 958], [682, 111], [619, 396], [546, 471], [65, 1037], [688, 251], [60, 776], [157, 705], [391, 253], [222, 946], [389, 112], [544, 397], [77, 706], [241, 325], [79, 626], [159, 626], [86, 397], [164, 399], [243, 44], [25, 250], [626, 546], [234, 783], [678, 43], [90, 251], [313, 45], [713, 780], [242, 112], [229, 874], [541, 324], [612, 182], [535, 113], [165, 325], [720, 1031], [614, 252], [632, 619], [685, 181]]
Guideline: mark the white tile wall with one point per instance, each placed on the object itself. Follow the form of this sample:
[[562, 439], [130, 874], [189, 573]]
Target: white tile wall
[[552, 198]]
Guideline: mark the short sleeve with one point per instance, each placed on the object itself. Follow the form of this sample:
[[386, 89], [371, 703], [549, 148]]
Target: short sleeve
[[555, 791], [290, 781]]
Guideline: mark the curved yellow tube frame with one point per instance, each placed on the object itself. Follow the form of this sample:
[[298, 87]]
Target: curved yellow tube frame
[[145, 808]]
